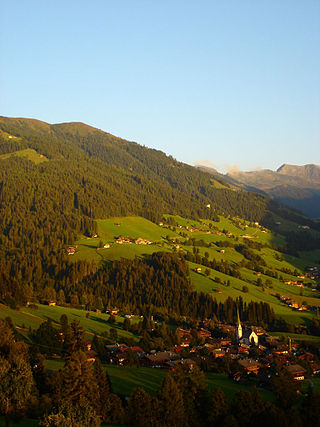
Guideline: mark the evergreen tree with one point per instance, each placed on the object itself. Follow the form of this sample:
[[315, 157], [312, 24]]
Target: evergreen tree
[[191, 383], [79, 382], [16, 384], [242, 408], [171, 403], [218, 407], [103, 401], [139, 410], [72, 416], [310, 409], [48, 339]]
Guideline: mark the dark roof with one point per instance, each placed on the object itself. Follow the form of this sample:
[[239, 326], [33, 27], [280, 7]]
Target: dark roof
[[248, 363], [296, 369], [161, 356]]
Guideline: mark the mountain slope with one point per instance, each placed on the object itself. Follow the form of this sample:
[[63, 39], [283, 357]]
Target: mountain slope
[[308, 172], [147, 179], [90, 174], [294, 186]]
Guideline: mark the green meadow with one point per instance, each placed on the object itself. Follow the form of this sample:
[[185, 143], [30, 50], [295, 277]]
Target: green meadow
[[96, 324], [210, 232], [110, 229], [255, 293], [28, 154], [133, 227], [124, 379], [88, 249]]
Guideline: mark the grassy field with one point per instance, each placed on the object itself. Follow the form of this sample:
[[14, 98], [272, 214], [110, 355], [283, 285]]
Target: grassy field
[[124, 379], [96, 324], [230, 387], [133, 227], [88, 249], [28, 154], [210, 232], [140, 227], [297, 337]]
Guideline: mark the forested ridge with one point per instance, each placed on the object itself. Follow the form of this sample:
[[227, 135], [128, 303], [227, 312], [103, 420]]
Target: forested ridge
[[90, 174]]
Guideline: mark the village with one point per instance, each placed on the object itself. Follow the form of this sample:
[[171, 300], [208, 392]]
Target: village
[[245, 353]]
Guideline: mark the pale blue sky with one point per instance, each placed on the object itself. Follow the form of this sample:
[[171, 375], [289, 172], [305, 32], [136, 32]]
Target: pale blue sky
[[232, 82]]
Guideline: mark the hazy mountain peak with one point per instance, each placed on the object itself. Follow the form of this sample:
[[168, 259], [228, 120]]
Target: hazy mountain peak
[[310, 172]]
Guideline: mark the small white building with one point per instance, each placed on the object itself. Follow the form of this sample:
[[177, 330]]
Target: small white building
[[250, 337]]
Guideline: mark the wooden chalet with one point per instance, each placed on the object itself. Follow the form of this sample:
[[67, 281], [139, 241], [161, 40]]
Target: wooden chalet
[[173, 364], [250, 365], [218, 352], [158, 359], [297, 371]]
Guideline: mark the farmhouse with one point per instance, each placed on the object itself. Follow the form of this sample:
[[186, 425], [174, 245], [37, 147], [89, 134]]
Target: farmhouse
[[52, 303], [297, 371], [249, 365], [175, 363], [71, 250], [140, 241], [158, 359], [120, 240], [218, 353]]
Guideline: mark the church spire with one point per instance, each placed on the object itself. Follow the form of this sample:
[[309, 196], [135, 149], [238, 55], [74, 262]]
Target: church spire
[[239, 327]]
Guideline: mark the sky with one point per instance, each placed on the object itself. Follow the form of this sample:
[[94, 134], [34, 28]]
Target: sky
[[223, 83]]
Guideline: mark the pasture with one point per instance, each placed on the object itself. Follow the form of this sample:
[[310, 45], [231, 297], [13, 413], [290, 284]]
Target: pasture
[[28, 154], [210, 232], [97, 323], [124, 379]]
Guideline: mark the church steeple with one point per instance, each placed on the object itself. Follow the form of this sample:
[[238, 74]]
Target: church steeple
[[239, 327]]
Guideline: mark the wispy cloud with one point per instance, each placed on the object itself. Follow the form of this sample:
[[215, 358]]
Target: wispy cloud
[[232, 168], [205, 162]]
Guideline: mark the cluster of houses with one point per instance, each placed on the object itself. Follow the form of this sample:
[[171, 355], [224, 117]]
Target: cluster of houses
[[293, 304], [267, 348], [139, 241], [313, 273], [71, 250], [298, 283]]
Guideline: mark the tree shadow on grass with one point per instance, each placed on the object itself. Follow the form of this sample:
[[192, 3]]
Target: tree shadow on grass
[[105, 322]]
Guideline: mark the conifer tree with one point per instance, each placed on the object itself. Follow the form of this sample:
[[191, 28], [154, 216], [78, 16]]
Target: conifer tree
[[79, 382], [16, 384], [139, 410], [218, 407], [310, 409], [103, 401], [191, 383], [171, 403], [72, 416]]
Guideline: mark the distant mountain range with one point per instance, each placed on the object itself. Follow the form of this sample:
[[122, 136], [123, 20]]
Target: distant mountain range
[[295, 186]]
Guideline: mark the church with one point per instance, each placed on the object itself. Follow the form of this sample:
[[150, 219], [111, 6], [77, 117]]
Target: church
[[248, 337]]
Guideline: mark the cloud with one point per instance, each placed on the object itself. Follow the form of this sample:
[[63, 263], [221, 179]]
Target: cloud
[[205, 162], [232, 168]]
